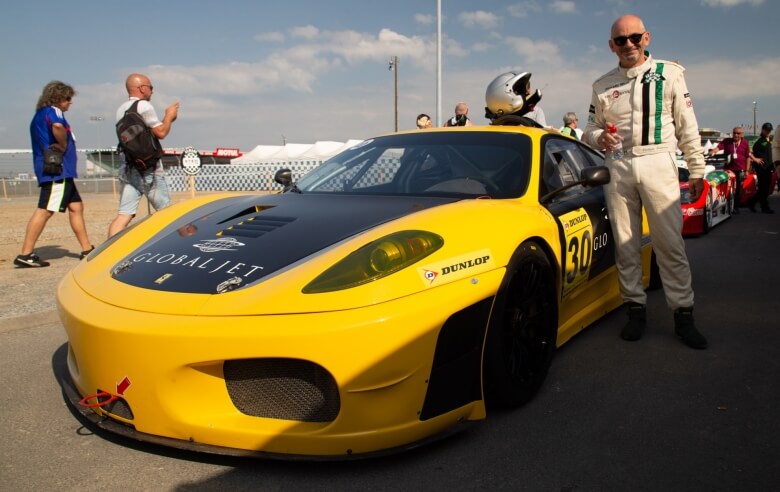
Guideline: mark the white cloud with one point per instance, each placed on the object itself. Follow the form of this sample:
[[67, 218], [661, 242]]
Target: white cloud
[[563, 6], [730, 3], [480, 18], [424, 19], [534, 51], [524, 9], [454, 48], [305, 32], [355, 47], [297, 68], [733, 79]]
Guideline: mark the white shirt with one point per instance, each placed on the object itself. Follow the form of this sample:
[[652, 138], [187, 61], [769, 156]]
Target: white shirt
[[145, 109], [537, 115]]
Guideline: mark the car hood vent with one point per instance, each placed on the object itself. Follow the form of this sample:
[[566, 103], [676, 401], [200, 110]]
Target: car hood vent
[[256, 226]]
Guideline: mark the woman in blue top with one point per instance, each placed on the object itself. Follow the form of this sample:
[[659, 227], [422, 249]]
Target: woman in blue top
[[50, 130]]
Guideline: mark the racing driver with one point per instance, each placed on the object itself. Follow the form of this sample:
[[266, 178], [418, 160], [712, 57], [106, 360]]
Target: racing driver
[[648, 101]]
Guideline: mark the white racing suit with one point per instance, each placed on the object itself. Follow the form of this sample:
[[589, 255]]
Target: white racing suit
[[653, 112]]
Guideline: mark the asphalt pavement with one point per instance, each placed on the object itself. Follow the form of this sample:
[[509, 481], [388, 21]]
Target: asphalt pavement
[[612, 415]]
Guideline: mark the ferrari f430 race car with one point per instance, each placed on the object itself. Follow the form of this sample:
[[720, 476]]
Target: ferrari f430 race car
[[713, 206], [393, 294]]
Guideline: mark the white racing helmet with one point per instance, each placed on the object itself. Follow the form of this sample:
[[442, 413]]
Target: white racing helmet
[[506, 95]]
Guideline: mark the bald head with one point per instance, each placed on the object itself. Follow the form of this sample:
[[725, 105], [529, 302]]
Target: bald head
[[138, 85], [632, 22], [628, 40]]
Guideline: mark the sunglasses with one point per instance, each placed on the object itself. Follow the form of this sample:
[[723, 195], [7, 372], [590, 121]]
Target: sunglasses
[[622, 40], [151, 87]]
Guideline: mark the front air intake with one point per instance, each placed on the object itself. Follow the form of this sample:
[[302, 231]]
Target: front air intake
[[287, 389]]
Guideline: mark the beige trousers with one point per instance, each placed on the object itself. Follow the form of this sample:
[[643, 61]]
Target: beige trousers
[[650, 181]]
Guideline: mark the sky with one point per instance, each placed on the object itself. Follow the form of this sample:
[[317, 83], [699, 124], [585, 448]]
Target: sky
[[254, 72]]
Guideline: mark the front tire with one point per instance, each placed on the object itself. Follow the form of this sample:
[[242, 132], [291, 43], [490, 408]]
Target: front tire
[[523, 329], [730, 202]]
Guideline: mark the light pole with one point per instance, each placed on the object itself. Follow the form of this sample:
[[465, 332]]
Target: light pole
[[754, 118], [98, 119], [438, 63], [393, 67]]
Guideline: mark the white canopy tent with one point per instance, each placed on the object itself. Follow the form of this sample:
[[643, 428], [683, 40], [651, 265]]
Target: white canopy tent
[[291, 152]]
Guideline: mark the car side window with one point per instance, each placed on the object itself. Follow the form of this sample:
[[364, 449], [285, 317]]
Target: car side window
[[563, 163]]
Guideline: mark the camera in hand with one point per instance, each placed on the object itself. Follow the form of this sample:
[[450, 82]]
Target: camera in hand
[[458, 120]]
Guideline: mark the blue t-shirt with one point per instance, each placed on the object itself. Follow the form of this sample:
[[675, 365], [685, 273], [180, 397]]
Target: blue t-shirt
[[42, 136]]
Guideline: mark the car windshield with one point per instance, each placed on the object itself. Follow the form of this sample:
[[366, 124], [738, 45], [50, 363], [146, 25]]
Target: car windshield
[[452, 163]]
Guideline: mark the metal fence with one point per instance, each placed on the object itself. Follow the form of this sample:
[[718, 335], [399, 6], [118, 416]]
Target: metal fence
[[250, 177], [15, 188], [100, 169]]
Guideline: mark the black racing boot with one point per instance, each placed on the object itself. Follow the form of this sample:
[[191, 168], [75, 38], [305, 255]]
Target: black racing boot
[[637, 320], [686, 330]]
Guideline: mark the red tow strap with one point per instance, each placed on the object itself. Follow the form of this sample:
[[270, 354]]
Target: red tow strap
[[101, 398]]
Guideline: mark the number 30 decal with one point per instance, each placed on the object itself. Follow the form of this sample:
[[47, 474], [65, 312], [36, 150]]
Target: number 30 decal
[[578, 234]]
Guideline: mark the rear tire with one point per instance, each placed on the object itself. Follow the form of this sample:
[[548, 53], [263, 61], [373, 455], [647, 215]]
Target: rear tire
[[730, 205], [523, 330], [707, 217]]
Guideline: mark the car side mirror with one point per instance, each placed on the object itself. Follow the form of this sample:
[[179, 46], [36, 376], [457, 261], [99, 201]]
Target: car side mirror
[[590, 177], [594, 176], [283, 177]]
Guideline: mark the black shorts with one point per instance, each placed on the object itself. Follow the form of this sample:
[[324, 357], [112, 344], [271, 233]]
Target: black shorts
[[57, 195]]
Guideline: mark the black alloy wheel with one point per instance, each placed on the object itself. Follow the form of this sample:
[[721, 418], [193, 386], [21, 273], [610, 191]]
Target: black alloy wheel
[[523, 329]]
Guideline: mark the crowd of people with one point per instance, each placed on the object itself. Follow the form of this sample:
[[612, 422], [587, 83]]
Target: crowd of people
[[641, 177]]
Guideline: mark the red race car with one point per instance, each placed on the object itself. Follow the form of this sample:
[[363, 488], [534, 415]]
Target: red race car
[[714, 205], [749, 184], [750, 187]]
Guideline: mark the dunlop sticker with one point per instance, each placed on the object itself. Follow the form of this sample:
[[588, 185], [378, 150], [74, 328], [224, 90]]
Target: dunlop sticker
[[457, 268]]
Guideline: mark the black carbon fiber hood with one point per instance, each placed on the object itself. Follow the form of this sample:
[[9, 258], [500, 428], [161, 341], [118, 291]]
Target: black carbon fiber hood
[[234, 242]]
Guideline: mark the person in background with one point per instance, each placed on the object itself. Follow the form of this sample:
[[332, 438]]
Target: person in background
[[134, 183], [50, 130], [738, 155], [764, 166], [648, 101], [461, 117], [535, 112], [424, 121], [570, 126]]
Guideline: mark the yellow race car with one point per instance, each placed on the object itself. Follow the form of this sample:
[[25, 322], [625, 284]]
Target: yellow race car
[[390, 296]]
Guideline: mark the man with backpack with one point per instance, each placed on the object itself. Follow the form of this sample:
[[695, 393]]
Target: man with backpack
[[139, 131]]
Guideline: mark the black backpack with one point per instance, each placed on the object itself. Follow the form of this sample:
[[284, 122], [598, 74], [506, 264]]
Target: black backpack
[[141, 148]]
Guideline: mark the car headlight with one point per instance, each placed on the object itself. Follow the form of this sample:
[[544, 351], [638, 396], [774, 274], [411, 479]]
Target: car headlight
[[375, 260]]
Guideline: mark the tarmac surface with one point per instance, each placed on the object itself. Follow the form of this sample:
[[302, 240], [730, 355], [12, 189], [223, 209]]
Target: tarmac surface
[[612, 415]]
